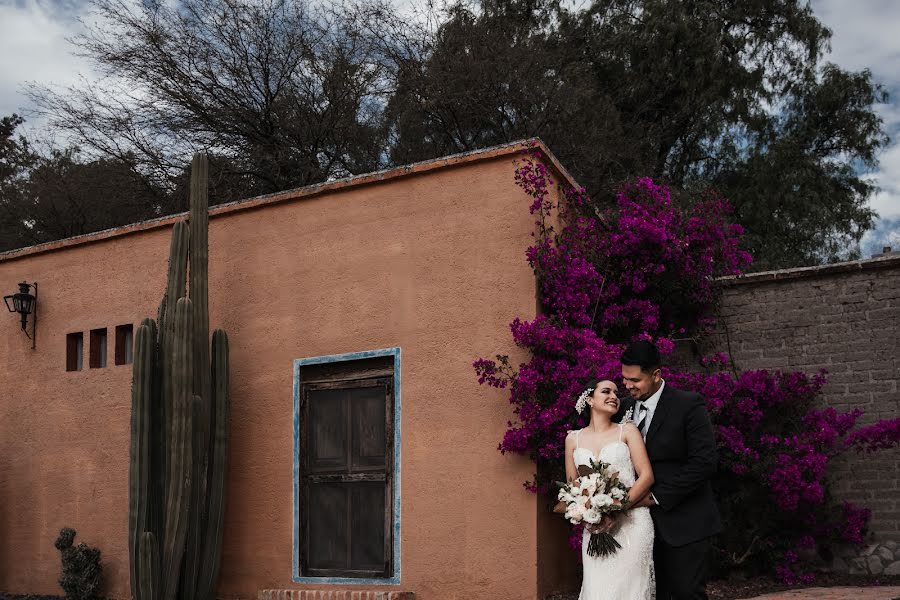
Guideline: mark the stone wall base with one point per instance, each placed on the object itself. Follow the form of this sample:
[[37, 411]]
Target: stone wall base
[[879, 558]]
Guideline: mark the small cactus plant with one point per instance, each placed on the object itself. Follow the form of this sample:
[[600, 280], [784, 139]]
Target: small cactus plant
[[81, 569], [179, 426]]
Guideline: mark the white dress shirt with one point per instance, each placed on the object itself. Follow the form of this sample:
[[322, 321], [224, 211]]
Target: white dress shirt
[[650, 404]]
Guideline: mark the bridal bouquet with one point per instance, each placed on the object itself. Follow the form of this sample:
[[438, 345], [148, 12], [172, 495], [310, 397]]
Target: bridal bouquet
[[596, 492]]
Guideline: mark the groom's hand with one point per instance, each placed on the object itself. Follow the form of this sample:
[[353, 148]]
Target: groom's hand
[[647, 501]]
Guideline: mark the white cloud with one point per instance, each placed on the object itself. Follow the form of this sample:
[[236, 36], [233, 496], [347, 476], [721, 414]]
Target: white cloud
[[887, 200], [890, 112], [864, 36], [886, 233], [33, 48]]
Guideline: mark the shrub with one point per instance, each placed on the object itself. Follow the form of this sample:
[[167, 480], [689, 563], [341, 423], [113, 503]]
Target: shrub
[[81, 569]]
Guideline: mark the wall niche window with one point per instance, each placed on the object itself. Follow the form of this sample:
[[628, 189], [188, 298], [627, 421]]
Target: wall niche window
[[74, 351], [346, 468], [98, 348], [124, 344]]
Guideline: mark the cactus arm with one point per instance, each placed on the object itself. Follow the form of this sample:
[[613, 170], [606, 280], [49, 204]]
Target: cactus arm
[[175, 283], [178, 493], [199, 294], [138, 471], [149, 572], [212, 547]]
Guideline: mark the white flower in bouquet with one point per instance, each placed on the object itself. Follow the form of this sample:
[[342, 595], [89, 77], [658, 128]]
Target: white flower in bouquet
[[601, 500], [575, 512], [592, 516], [617, 494]]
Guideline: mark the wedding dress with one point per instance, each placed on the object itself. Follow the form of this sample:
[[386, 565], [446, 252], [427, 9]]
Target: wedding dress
[[628, 573]]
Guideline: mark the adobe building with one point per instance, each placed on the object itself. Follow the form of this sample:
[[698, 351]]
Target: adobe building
[[378, 291]]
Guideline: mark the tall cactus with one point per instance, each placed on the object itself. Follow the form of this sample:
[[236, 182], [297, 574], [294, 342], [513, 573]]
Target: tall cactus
[[179, 426]]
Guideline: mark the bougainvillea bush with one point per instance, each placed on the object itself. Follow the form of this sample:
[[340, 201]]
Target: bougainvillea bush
[[645, 269]]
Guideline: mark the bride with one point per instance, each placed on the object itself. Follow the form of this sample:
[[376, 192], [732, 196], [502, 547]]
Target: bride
[[628, 573]]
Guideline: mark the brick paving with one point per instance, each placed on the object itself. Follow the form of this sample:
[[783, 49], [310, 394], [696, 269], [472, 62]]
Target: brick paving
[[837, 593]]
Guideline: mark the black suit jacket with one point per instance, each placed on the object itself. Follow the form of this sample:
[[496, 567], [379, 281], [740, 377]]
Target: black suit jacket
[[682, 450]]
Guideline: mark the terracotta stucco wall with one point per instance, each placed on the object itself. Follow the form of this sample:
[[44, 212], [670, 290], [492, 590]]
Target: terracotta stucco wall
[[432, 263]]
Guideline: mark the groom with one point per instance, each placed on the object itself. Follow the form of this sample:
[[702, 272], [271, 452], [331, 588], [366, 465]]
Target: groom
[[682, 450]]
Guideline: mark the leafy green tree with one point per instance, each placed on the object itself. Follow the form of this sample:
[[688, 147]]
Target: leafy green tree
[[16, 157], [65, 197], [705, 95], [44, 198], [284, 92], [701, 94], [797, 187]]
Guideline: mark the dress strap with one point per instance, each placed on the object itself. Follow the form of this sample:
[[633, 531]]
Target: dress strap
[[620, 431]]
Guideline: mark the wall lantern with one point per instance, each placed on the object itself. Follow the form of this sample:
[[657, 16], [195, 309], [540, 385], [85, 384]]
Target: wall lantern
[[25, 304]]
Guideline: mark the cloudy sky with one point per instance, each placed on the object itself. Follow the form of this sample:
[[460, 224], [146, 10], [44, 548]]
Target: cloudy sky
[[33, 47], [865, 35]]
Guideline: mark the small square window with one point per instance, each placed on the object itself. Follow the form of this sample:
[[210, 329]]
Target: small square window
[[98, 348], [74, 351], [124, 344]]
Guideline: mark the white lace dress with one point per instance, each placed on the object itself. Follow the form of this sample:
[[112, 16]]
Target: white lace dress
[[627, 574]]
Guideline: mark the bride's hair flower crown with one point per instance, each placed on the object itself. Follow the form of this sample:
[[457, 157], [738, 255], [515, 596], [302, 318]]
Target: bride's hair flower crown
[[582, 400]]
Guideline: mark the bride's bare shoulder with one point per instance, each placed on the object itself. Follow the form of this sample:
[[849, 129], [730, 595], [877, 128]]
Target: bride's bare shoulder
[[630, 430]]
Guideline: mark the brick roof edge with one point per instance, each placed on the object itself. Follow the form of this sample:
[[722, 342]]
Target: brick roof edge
[[879, 262]]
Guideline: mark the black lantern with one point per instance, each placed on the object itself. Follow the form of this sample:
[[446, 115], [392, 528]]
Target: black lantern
[[25, 304]]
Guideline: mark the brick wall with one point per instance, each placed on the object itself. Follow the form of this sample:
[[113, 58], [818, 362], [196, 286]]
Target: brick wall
[[844, 318]]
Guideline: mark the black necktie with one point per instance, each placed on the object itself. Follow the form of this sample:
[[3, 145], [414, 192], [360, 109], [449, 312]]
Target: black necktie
[[642, 416]]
